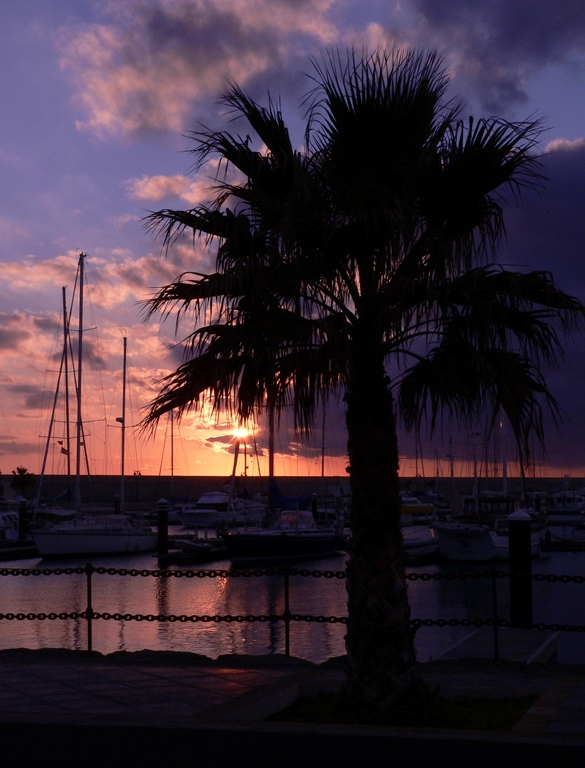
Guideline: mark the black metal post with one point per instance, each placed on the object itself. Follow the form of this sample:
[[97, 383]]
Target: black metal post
[[520, 560], [496, 616], [22, 520], [89, 569], [163, 528], [286, 615]]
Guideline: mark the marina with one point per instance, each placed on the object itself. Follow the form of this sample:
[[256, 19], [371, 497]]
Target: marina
[[443, 594], [439, 593]]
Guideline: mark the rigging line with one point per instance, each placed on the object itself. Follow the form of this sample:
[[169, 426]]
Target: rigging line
[[12, 440], [97, 361], [97, 282], [162, 455], [48, 385], [136, 456]]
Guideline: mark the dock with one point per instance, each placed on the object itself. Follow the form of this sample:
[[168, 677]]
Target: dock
[[565, 545], [209, 551], [18, 550], [526, 646]]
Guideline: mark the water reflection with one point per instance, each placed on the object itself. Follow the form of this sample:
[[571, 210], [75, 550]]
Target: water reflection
[[161, 593], [241, 596]]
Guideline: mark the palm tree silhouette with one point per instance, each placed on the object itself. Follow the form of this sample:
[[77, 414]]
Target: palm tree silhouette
[[365, 264]]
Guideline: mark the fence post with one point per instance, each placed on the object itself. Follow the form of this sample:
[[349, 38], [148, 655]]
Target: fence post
[[519, 533], [162, 509], [89, 569], [22, 520], [495, 616], [286, 615]]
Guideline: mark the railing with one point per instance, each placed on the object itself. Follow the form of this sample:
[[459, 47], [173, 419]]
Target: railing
[[89, 615]]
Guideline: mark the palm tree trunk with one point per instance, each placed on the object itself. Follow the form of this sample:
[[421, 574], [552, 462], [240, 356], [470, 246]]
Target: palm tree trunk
[[379, 640]]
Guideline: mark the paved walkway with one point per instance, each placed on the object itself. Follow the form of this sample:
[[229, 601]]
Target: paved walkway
[[67, 709]]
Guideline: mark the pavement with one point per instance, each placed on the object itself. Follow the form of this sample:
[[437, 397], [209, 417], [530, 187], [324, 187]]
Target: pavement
[[68, 708]]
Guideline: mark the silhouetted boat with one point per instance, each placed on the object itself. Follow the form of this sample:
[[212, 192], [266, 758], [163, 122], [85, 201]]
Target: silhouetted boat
[[481, 532], [91, 534], [294, 534]]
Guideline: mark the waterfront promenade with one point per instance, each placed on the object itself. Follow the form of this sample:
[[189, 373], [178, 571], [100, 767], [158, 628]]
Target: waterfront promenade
[[63, 708]]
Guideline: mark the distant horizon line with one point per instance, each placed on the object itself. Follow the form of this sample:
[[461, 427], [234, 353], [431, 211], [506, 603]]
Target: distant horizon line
[[418, 478]]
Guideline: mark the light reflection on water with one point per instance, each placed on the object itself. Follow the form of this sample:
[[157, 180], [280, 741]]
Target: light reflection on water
[[315, 641]]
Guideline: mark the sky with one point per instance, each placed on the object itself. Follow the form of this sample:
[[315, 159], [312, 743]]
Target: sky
[[98, 99]]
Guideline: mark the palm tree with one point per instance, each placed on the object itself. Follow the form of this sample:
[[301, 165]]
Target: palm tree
[[22, 481], [365, 263]]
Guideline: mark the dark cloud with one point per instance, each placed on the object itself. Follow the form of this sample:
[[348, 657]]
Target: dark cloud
[[13, 330], [498, 46], [29, 396], [12, 338], [548, 232], [47, 324], [91, 352], [9, 449], [149, 64]]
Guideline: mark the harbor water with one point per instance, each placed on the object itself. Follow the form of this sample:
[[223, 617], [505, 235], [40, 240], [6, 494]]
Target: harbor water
[[221, 595]]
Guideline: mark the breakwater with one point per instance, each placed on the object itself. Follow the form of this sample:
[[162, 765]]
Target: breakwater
[[143, 491]]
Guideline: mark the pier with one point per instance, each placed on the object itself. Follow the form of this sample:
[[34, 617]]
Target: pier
[[65, 710], [524, 646]]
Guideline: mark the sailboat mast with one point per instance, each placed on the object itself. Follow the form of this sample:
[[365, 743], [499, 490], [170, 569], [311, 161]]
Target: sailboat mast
[[123, 438], [270, 443], [323, 453], [66, 371], [172, 422], [504, 457], [79, 382], [62, 367]]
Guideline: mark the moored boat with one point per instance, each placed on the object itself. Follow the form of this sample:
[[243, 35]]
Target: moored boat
[[220, 508], [9, 522], [294, 534], [481, 532], [420, 544], [85, 533], [95, 535], [415, 509]]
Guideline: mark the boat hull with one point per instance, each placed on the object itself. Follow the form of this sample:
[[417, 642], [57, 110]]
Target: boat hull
[[218, 509], [202, 518], [469, 542], [67, 543], [277, 545]]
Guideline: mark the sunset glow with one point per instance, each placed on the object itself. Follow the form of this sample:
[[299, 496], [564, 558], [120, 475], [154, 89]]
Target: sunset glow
[[99, 100]]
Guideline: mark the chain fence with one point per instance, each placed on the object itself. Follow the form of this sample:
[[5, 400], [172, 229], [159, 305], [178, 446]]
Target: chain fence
[[287, 616]]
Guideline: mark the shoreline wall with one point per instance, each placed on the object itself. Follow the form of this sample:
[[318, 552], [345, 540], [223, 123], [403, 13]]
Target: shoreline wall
[[143, 491]]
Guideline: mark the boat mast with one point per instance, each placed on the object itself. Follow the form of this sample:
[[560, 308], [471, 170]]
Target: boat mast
[[504, 457], [63, 367], [475, 480], [123, 423], [270, 444], [79, 382], [323, 453], [172, 421], [66, 369]]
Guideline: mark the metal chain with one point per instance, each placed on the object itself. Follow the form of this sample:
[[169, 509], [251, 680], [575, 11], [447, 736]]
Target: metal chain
[[256, 572], [89, 569]]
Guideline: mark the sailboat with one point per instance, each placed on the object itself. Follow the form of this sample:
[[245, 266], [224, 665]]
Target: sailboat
[[92, 534], [481, 532], [292, 534], [230, 506]]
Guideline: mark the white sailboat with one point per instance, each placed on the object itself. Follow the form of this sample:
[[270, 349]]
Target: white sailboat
[[293, 533], [93, 534], [480, 532]]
